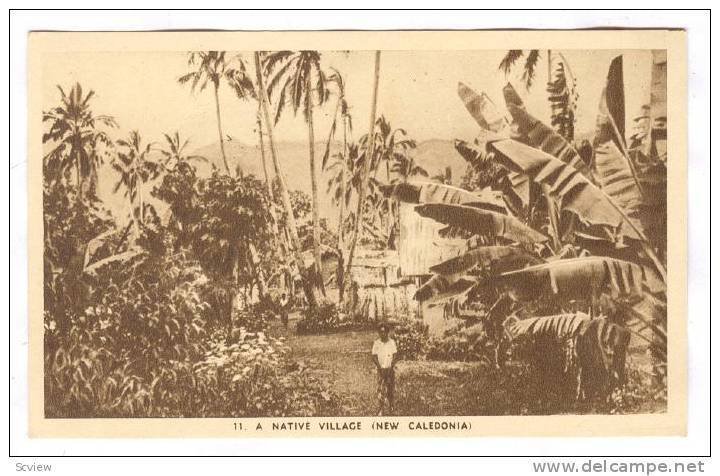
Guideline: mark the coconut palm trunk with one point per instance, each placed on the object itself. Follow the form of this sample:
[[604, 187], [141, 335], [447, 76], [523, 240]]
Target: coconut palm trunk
[[280, 238], [78, 177], [78, 167], [261, 144], [366, 166], [292, 227], [313, 182], [341, 218], [219, 128]]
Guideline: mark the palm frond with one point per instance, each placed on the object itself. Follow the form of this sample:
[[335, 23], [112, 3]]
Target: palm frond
[[509, 60], [530, 64]]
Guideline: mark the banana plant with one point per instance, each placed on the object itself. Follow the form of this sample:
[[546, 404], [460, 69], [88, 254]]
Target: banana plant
[[589, 203]]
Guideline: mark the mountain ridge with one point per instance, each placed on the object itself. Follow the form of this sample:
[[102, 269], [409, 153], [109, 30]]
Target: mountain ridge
[[434, 155]]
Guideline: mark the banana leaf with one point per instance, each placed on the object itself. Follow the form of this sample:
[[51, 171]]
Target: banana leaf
[[443, 287], [482, 222], [482, 109], [613, 170], [649, 313], [531, 131], [431, 192], [615, 177], [561, 326], [123, 257], [97, 243], [497, 258], [575, 278], [575, 193], [613, 98], [517, 185], [512, 97]]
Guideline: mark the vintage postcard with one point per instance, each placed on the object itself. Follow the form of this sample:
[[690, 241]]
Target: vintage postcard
[[273, 234]]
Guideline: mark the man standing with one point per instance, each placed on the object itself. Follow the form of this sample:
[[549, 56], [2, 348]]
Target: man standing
[[384, 351], [284, 305]]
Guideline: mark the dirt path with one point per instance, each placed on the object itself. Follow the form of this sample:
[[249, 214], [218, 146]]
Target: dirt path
[[343, 359], [422, 388]]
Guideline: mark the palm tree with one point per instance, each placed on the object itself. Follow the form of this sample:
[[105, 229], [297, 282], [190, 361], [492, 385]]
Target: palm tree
[[392, 145], [344, 178], [342, 161], [365, 165], [174, 151], [285, 195], [298, 78], [531, 61], [241, 82], [444, 176], [391, 149], [560, 85], [406, 168], [209, 68], [76, 139], [134, 170]]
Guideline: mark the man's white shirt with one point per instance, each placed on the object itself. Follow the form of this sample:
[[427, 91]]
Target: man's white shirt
[[384, 351]]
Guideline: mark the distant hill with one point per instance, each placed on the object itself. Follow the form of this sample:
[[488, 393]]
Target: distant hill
[[433, 155]]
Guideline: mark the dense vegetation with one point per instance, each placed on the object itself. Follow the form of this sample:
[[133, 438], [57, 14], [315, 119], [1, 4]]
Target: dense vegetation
[[168, 311]]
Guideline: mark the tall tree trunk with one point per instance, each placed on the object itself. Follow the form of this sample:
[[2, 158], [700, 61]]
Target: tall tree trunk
[[261, 144], [292, 227], [257, 270], [366, 166], [313, 182], [220, 133], [280, 238], [78, 178], [341, 218]]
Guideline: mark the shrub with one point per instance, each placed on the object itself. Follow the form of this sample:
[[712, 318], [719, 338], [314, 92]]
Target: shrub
[[254, 377], [84, 378], [410, 337], [327, 319], [146, 348], [255, 317], [640, 393], [250, 377], [139, 318], [461, 343]]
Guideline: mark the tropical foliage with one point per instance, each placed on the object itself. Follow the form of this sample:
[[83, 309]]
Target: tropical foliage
[[555, 272], [77, 138], [507, 258]]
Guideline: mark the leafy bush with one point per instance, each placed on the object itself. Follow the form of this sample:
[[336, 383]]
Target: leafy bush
[[250, 377], [255, 317], [327, 319], [138, 319], [84, 378], [461, 343], [410, 337], [254, 377], [146, 348], [639, 394]]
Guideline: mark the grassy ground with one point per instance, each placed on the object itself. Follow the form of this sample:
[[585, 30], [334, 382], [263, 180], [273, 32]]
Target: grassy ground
[[422, 387]]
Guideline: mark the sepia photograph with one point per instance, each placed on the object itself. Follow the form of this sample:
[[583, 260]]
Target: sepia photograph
[[423, 236]]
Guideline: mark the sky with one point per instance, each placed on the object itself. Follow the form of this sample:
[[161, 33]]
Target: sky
[[417, 91]]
